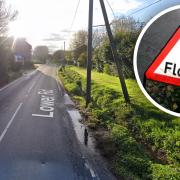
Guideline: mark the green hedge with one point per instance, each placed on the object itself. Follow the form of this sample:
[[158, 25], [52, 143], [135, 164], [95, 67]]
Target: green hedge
[[133, 129]]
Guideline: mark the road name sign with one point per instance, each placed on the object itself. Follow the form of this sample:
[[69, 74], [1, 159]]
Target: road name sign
[[166, 66], [47, 103]]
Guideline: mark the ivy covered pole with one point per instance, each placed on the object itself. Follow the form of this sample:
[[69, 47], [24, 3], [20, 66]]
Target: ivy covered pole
[[89, 54], [114, 53]]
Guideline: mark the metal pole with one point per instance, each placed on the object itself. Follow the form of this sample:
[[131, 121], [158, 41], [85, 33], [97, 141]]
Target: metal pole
[[89, 54], [114, 53]]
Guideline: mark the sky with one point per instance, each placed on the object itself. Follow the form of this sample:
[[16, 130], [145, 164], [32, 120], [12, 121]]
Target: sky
[[48, 22]]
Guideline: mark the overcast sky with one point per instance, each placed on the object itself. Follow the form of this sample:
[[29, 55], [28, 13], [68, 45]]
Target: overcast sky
[[48, 22]]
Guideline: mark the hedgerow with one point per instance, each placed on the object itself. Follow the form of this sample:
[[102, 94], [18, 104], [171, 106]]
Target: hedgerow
[[144, 141]]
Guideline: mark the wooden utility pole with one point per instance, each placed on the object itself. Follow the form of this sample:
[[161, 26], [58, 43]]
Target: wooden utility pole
[[114, 53], [89, 54]]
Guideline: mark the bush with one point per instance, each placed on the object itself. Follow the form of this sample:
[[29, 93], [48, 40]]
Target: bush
[[61, 68], [139, 132], [72, 81], [166, 95], [73, 88], [161, 172], [130, 154], [107, 69], [3, 72], [82, 59]]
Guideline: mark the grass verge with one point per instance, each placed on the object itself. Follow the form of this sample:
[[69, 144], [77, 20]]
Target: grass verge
[[139, 141]]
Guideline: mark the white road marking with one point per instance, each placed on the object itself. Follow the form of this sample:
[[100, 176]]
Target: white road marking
[[50, 115], [10, 122], [92, 173], [46, 103], [90, 169], [29, 90]]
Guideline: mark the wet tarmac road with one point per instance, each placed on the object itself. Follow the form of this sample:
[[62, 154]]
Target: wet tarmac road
[[37, 137]]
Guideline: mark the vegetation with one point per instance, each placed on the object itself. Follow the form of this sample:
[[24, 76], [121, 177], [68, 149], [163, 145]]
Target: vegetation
[[8, 70], [164, 94], [58, 57], [126, 31], [139, 141], [78, 45]]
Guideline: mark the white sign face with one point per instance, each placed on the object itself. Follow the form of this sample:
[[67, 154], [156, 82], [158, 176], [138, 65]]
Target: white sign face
[[170, 66]]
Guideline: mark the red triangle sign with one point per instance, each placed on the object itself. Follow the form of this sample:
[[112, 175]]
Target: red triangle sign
[[166, 66]]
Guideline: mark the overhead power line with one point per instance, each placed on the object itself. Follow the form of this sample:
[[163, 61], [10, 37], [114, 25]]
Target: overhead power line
[[111, 8], [145, 7], [157, 1], [74, 17]]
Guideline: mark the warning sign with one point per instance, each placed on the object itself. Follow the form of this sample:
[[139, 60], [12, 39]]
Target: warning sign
[[166, 66]]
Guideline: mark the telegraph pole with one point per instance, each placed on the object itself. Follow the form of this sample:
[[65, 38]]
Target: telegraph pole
[[89, 54], [114, 53]]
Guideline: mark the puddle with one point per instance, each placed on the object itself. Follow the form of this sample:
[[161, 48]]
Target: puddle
[[81, 131], [92, 159]]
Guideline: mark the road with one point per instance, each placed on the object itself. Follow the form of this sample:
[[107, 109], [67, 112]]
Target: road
[[37, 136]]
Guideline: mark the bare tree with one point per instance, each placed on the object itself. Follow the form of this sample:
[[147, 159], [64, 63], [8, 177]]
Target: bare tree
[[6, 15], [78, 44], [79, 38], [126, 24], [6, 57]]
